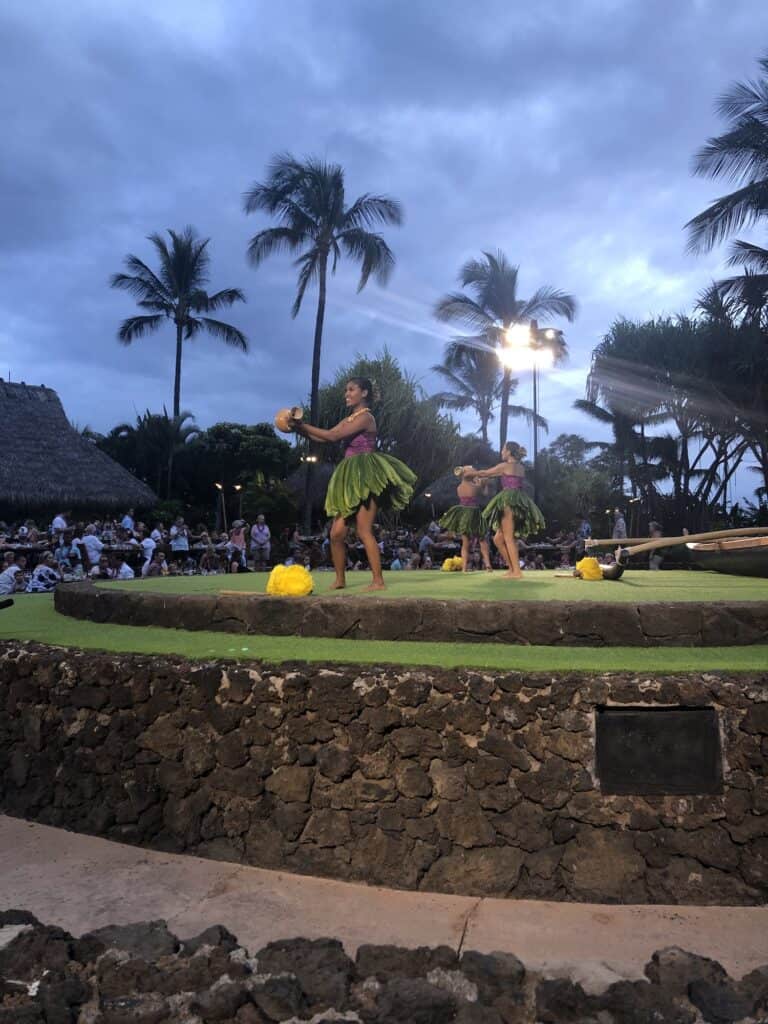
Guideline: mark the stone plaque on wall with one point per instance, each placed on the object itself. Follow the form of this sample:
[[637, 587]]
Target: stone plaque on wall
[[658, 751]]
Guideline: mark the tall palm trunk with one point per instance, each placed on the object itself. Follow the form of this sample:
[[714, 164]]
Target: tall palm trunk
[[177, 377], [505, 389], [314, 399]]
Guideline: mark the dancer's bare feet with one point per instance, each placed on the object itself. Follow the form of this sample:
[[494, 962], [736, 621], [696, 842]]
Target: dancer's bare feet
[[338, 585], [510, 575], [489, 568], [376, 585]]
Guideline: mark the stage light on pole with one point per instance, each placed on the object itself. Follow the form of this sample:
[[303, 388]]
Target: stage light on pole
[[428, 494], [220, 488], [239, 489]]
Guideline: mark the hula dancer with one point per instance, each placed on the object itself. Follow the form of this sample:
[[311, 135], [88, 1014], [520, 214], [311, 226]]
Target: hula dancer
[[511, 513], [466, 518], [363, 482]]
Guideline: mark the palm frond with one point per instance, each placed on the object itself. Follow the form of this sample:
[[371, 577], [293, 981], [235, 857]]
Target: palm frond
[[594, 410], [309, 264], [459, 307], [549, 301], [749, 255], [368, 210], [371, 251], [223, 298], [271, 241], [226, 332], [529, 416], [726, 215], [735, 155], [137, 326]]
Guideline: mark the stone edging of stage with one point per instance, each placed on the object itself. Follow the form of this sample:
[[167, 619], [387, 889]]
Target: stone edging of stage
[[550, 623], [465, 782]]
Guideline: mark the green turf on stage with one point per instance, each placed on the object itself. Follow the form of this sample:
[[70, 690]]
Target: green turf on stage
[[33, 618], [636, 585]]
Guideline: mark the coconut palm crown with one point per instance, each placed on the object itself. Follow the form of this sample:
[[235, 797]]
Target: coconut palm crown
[[493, 306], [177, 292], [739, 155], [308, 200]]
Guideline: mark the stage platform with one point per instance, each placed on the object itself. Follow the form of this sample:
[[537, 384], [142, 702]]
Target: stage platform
[[667, 609]]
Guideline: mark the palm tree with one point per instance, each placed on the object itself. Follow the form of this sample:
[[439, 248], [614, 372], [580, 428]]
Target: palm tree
[[309, 203], [494, 307], [152, 443], [741, 155], [475, 382], [177, 292]]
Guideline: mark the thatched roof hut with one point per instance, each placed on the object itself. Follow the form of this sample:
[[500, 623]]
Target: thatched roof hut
[[46, 463]]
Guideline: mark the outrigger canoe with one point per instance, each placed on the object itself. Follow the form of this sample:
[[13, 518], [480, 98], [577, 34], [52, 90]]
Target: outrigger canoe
[[747, 556]]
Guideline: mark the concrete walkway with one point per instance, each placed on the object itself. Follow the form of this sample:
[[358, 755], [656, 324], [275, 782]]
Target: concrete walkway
[[79, 883]]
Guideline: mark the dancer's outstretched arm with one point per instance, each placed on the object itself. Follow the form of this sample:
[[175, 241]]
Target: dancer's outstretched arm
[[484, 474], [346, 428]]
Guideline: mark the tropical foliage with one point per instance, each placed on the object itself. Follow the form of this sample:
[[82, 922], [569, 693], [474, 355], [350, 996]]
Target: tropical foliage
[[740, 155], [177, 292]]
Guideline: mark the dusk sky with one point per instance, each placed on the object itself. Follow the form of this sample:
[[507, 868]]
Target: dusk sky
[[560, 132]]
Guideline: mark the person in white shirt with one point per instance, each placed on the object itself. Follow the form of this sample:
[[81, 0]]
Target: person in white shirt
[[10, 580], [261, 541], [147, 545], [122, 570], [92, 545], [127, 520], [45, 578], [157, 533]]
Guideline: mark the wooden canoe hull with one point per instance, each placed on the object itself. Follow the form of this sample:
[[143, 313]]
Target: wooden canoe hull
[[736, 557]]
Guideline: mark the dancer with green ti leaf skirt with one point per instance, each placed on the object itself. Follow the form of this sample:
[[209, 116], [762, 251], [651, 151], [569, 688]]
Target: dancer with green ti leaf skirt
[[364, 482], [466, 518], [511, 513]]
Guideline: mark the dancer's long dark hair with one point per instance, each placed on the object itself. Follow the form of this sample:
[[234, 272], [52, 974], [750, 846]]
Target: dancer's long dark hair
[[366, 384], [515, 450]]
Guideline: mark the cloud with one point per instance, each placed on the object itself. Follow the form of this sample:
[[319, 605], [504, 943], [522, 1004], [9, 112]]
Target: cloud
[[560, 133]]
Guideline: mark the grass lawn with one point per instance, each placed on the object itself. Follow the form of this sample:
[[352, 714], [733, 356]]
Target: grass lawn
[[33, 618], [634, 586]]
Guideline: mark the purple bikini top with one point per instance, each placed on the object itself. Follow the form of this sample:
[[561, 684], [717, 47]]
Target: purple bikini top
[[360, 443], [469, 502], [511, 483]]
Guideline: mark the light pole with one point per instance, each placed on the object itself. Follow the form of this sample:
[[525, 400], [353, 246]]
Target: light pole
[[239, 489], [528, 347], [428, 494], [220, 488]]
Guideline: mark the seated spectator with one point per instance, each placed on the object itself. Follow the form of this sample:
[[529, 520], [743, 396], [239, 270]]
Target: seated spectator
[[158, 534], [155, 566], [66, 553], [127, 522], [209, 561], [12, 576], [121, 569], [46, 577], [102, 569], [396, 565]]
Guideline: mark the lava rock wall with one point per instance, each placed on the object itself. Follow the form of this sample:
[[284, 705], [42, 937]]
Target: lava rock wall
[[453, 781]]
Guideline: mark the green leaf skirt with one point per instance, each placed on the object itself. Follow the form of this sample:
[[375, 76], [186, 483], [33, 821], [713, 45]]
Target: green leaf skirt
[[464, 519], [528, 519], [369, 475]]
